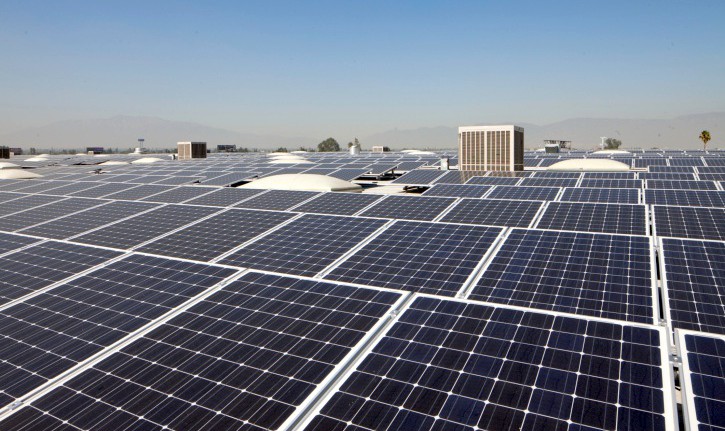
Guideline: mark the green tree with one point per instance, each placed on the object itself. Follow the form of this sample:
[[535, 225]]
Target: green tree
[[281, 150], [705, 138], [612, 144], [328, 145]]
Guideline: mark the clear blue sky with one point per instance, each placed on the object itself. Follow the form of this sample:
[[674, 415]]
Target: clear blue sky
[[354, 68]]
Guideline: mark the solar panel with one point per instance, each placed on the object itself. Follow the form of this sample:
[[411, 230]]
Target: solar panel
[[306, 245], [348, 174], [615, 196], [145, 179], [179, 180], [409, 207], [711, 177], [337, 203], [22, 184], [229, 179], [380, 168], [459, 177], [225, 197], [121, 178], [143, 227], [452, 365], [423, 257], [70, 188], [703, 380], [494, 181], [94, 190], [216, 235], [33, 268], [611, 183], [695, 198], [8, 196], [179, 194], [524, 193], [138, 192], [42, 186], [666, 176], [420, 177], [26, 202], [694, 279], [278, 200], [609, 175], [686, 161], [52, 331], [457, 190], [68, 226], [520, 174], [689, 222], [598, 275], [595, 217], [556, 174], [246, 357], [681, 184], [685, 169], [493, 212], [45, 213], [9, 242], [548, 182]]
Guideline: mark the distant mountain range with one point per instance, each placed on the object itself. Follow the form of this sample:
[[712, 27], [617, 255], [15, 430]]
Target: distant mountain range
[[123, 131]]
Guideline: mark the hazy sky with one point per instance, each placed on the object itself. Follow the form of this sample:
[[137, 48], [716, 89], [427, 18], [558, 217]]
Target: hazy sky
[[314, 68]]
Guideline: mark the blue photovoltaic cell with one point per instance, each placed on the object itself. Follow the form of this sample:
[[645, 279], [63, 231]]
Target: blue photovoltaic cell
[[9, 242], [409, 207], [681, 184], [689, 222], [610, 175], [666, 176], [306, 245], [277, 200], [421, 257], [348, 174], [494, 181], [493, 212], [595, 217], [457, 190], [26, 202], [53, 331], [596, 275], [36, 267], [549, 182], [337, 203], [695, 282], [146, 226], [524, 193], [615, 196], [45, 213], [601, 183], [556, 174], [179, 194], [703, 376], [687, 198], [216, 235], [137, 192], [420, 177], [458, 177], [452, 365], [242, 359], [224, 197]]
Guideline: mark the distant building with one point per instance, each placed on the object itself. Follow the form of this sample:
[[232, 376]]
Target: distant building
[[4, 153], [191, 150], [491, 148], [226, 148], [380, 149], [94, 150], [17, 151]]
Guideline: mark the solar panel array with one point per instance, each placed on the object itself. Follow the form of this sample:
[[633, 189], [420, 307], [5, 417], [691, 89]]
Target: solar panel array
[[703, 365], [139, 299]]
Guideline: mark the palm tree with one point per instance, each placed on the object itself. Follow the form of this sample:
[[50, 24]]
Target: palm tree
[[704, 137]]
